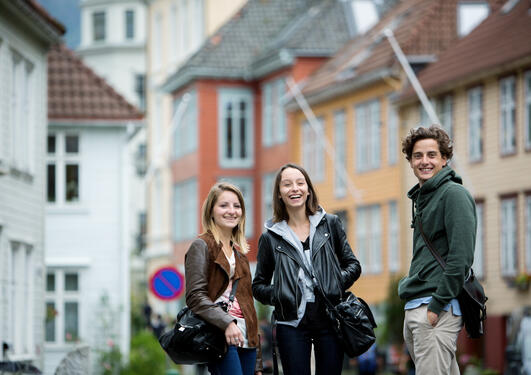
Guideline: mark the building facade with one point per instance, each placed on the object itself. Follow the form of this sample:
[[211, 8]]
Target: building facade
[[88, 213], [26, 34]]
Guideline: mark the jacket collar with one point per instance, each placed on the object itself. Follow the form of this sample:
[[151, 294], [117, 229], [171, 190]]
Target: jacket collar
[[219, 256]]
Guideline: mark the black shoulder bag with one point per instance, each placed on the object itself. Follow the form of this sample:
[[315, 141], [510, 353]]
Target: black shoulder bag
[[472, 299], [193, 340]]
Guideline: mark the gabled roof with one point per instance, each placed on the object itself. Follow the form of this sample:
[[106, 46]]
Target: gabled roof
[[423, 28], [267, 33], [76, 92], [501, 42]]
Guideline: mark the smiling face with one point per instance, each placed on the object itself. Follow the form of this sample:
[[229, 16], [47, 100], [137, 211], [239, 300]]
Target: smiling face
[[426, 159], [293, 188], [227, 211]]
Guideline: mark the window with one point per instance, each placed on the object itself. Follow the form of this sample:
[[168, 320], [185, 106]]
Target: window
[[245, 185], [479, 251], [340, 155], [140, 89], [475, 124], [129, 24], [508, 116], [392, 135], [268, 182], [185, 126], [508, 237], [393, 238], [63, 178], [98, 26], [185, 209], [368, 136], [443, 107], [20, 293], [62, 304], [273, 114], [527, 119], [368, 238], [470, 14], [22, 113], [528, 234], [313, 151], [236, 128]]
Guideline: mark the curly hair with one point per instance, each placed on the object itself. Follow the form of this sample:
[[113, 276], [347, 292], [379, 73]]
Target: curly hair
[[435, 132]]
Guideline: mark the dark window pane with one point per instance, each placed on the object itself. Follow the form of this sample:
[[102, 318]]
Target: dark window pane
[[50, 282], [72, 144], [98, 25], [71, 282], [243, 149], [71, 321], [72, 183], [51, 144], [229, 131], [50, 182], [129, 24], [50, 322]]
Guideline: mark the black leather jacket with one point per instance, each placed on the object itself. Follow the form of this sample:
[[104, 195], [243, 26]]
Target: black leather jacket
[[279, 260]]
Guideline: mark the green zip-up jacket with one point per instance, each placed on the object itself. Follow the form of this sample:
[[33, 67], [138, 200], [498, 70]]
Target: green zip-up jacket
[[448, 215]]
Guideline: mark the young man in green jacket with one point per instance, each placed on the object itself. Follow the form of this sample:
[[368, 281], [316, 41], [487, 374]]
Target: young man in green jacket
[[447, 211]]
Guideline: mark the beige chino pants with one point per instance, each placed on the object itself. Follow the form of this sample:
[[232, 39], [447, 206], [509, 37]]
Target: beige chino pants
[[432, 348]]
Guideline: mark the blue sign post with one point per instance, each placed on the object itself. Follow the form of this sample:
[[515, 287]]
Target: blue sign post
[[167, 283]]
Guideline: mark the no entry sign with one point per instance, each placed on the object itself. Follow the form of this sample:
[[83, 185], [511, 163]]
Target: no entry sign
[[167, 283]]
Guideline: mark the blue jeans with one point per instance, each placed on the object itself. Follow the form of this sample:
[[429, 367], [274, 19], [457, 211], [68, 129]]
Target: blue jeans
[[295, 345], [238, 361]]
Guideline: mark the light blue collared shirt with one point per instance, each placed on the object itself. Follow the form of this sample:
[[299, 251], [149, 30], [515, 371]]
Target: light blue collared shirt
[[414, 303]]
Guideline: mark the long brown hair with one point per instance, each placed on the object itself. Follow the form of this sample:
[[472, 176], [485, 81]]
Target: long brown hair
[[279, 208], [238, 233]]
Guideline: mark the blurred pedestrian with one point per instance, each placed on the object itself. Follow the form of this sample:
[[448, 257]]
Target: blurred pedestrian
[[301, 234], [213, 262], [446, 211], [158, 326]]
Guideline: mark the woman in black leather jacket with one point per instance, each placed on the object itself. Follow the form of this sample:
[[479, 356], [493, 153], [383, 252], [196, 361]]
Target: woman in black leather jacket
[[301, 235]]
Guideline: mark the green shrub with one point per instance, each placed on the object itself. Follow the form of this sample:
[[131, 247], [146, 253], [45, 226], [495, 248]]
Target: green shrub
[[146, 356]]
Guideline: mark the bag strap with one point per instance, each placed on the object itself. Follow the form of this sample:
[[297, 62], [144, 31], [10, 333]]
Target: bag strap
[[233, 293], [434, 252]]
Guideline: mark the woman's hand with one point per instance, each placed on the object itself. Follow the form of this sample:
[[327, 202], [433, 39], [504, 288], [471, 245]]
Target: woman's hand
[[233, 335]]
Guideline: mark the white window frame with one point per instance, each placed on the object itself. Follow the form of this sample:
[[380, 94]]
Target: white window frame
[[268, 181], [368, 135], [528, 233], [393, 237], [93, 23], [467, 22], [479, 251], [475, 124], [60, 297], [368, 237], [392, 134], [20, 301], [235, 97], [313, 150], [61, 159], [246, 186], [185, 210], [527, 118], [508, 236], [445, 113], [340, 154], [508, 115], [273, 114], [22, 116], [185, 133]]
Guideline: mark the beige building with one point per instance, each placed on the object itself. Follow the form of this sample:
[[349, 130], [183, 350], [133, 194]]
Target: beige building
[[176, 29], [487, 79]]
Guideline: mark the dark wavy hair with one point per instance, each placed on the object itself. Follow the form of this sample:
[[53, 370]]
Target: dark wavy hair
[[435, 132], [279, 208]]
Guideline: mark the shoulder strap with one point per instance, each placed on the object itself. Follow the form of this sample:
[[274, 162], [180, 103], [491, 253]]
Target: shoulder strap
[[233, 291], [434, 252]]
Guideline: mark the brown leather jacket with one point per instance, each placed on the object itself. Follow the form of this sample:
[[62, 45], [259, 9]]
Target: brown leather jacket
[[207, 277]]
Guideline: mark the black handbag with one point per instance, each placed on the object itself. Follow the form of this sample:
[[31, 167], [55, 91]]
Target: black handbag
[[352, 320], [195, 341], [472, 298]]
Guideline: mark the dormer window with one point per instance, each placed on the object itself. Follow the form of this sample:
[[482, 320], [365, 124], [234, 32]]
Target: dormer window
[[98, 26], [469, 15]]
